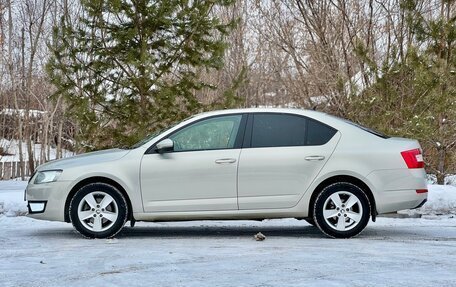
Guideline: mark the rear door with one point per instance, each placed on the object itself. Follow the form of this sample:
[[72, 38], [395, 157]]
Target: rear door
[[282, 155]]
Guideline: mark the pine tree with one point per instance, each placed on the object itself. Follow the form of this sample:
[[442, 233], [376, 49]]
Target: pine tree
[[129, 66], [416, 96]]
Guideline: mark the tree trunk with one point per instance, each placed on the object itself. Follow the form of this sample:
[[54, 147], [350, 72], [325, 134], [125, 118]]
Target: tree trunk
[[59, 140], [12, 75], [45, 138], [441, 166]]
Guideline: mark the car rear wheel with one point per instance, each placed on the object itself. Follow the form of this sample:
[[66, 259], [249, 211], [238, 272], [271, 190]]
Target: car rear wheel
[[98, 210], [341, 210]]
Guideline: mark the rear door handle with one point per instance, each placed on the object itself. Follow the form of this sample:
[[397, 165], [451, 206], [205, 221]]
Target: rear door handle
[[315, 158], [225, 160]]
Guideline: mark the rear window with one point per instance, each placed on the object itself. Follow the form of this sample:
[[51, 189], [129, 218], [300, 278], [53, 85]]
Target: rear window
[[369, 130], [366, 129], [279, 130]]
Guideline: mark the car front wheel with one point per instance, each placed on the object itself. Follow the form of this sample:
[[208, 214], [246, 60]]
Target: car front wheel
[[341, 210], [98, 210]]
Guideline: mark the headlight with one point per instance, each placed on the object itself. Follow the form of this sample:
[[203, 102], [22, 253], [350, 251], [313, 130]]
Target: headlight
[[47, 176]]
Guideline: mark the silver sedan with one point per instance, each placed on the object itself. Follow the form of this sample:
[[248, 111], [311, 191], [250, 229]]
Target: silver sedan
[[237, 164]]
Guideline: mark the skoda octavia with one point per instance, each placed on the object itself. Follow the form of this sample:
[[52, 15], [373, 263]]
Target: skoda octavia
[[237, 164]]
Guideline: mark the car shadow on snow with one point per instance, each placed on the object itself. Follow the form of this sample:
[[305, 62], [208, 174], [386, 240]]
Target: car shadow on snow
[[218, 231], [169, 231], [158, 230], [229, 231], [302, 232]]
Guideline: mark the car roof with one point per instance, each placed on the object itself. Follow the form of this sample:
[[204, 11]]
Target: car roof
[[264, 110]]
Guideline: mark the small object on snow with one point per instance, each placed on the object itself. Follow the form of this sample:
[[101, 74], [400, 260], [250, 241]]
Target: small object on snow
[[42, 262], [111, 241], [259, 236]]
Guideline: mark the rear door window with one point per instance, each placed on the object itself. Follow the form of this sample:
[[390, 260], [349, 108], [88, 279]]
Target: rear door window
[[280, 130], [275, 130]]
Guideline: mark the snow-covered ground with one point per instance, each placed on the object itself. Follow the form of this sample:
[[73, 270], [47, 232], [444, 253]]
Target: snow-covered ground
[[441, 200], [390, 252], [12, 198]]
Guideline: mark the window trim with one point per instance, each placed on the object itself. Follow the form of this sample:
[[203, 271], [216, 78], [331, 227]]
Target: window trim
[[237, 143], [247, 143]]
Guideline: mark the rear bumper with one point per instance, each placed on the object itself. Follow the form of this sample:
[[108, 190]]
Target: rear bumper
[[394, 200], [397, 189], [421, 204]]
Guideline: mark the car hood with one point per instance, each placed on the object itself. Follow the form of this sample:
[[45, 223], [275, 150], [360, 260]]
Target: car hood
[[85, 159]]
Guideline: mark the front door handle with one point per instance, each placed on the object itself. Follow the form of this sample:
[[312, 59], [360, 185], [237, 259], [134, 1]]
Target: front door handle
[[225, 160], [315, 158]]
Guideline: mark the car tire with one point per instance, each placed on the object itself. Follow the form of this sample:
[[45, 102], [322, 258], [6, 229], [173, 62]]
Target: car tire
[[98, 210], [341, 210]]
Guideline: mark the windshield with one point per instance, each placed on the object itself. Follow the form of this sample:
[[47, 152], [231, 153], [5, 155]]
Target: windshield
[[148, 138], [155, 133]]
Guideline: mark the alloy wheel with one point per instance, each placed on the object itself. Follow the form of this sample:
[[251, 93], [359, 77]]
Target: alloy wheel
[[98, 211], [342, 211]]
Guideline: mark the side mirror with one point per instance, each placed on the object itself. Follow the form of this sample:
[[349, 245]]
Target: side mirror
[[165, 145]]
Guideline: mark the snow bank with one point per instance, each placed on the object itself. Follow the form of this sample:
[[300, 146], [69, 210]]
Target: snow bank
[[11, 147], [449, 179], [12, 198], [441, 199], [22, 112]]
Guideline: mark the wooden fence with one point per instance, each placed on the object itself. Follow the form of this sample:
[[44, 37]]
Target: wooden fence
[[10, 170]]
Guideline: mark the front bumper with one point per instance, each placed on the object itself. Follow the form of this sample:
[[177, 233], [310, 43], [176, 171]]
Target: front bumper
[[47, 201]]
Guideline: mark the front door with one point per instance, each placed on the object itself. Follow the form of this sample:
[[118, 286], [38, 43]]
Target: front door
[[200, 174]]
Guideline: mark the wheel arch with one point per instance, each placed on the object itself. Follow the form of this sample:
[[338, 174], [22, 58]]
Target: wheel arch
[[96, 179], [344, 178]]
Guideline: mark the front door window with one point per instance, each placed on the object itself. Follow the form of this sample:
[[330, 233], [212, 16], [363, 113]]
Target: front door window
[[211, 134]]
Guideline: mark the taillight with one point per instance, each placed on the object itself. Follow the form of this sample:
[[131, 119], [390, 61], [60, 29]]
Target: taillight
[[421, 190], [413, 158]]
